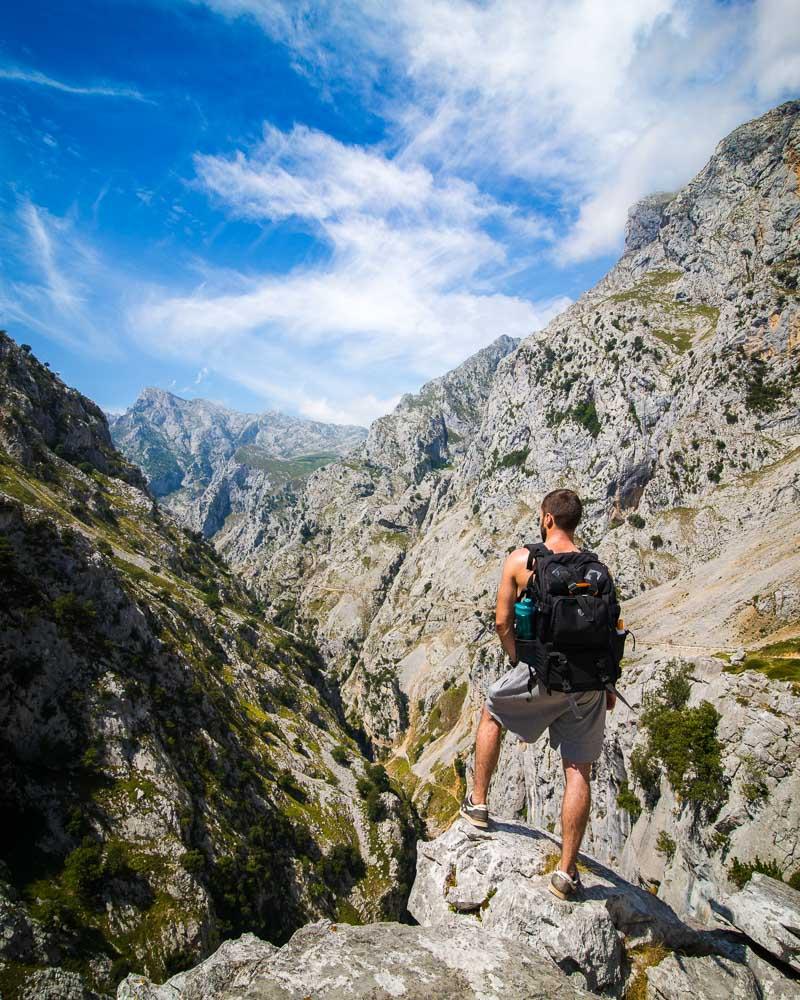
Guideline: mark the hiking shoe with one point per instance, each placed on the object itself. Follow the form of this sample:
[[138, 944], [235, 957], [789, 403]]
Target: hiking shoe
[[477, 815], [565, 886]]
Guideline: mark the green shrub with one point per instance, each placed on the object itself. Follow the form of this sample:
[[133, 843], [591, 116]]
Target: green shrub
[[586, 414], [629, 802], [370, 786], [636, 520], [665, 845], [73, 616], [683, 741], [341, 756], [83, 872], [193, 861], [762, 396], [740, 872], [656, 541], [342, 866], [514, 459], [287, 783]]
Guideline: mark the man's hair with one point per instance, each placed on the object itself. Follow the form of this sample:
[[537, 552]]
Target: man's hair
[[566, 508]]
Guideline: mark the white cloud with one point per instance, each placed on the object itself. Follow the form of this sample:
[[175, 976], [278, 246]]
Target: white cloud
[[403, 293], [61, 292], [604, 102], [38, 79]]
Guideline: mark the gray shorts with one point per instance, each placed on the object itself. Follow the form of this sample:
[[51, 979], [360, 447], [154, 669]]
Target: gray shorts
[[580, 739]]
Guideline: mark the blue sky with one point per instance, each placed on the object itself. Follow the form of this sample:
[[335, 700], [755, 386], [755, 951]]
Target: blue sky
[[318, 206]]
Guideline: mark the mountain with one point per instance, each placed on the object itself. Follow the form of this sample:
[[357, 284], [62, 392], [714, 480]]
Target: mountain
[[174, 767], [225, 473], [668, 397]]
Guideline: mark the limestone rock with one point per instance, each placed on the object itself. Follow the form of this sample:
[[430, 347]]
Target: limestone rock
[[57, 984], [644, 220], [497, 880], [711, 977], [768, 911], [233, 964], [378, 962]]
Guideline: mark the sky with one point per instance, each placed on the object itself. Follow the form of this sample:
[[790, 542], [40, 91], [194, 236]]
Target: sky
[[318, 206]]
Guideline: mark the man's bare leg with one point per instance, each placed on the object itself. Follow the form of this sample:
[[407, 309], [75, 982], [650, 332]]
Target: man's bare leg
[[574, 812], [487, 751]]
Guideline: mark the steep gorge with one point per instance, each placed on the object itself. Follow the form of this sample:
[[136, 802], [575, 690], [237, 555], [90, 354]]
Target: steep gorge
[[668, 397], [173, 768]]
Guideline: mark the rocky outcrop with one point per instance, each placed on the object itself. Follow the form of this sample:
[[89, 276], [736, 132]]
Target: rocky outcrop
[[768, 912], [644, 221], [379, 961], [489, 928], [41, 414], [496, 879]]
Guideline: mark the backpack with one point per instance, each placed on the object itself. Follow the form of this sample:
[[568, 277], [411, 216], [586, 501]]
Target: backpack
[[577, 646]]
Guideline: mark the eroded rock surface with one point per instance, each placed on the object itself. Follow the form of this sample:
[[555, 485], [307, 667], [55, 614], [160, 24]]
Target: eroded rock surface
[[498, 879], [769, 912], [378, 961]]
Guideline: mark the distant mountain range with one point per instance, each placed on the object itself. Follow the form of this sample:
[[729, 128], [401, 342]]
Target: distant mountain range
[[221, 471]]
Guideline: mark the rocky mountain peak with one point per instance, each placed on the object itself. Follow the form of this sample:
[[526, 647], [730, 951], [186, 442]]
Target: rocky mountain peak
[[39, 413]]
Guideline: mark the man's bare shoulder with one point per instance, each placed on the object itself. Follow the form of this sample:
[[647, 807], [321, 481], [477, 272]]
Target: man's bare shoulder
[[517, 564]]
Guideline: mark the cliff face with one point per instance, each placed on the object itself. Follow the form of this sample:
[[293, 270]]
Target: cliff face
[[668, 397], [171, 770]]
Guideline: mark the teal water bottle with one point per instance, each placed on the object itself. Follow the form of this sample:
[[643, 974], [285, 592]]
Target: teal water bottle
[[524, 613]]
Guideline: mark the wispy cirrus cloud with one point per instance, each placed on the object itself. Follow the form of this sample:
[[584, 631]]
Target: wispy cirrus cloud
[[408, 282], [63, 287], [34, 77]]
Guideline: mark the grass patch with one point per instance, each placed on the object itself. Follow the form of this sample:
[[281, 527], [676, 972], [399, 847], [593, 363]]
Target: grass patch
[[658, 279], [779, 661], [679, 340], [283, 470], [551, 863], [642, 958]]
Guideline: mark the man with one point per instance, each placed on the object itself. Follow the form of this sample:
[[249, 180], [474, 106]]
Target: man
[[521, 702]]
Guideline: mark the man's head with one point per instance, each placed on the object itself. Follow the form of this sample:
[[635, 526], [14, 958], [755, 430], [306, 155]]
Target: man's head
[[560, 509]]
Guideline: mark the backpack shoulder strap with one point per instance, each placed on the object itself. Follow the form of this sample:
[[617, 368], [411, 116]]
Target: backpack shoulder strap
[[536, 551]]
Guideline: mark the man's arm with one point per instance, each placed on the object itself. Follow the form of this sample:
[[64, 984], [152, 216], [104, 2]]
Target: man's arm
[[506, 598]]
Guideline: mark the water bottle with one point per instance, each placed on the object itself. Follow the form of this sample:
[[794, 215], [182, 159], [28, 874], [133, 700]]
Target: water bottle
[[524, 613]]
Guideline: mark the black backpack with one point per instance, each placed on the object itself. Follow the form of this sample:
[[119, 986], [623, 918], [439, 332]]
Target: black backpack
[[577, 646]]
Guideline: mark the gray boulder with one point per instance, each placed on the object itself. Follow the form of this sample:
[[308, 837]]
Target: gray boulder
[[768, 912], [497, 879], [233, 964], [711, 977], [377, 961]]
